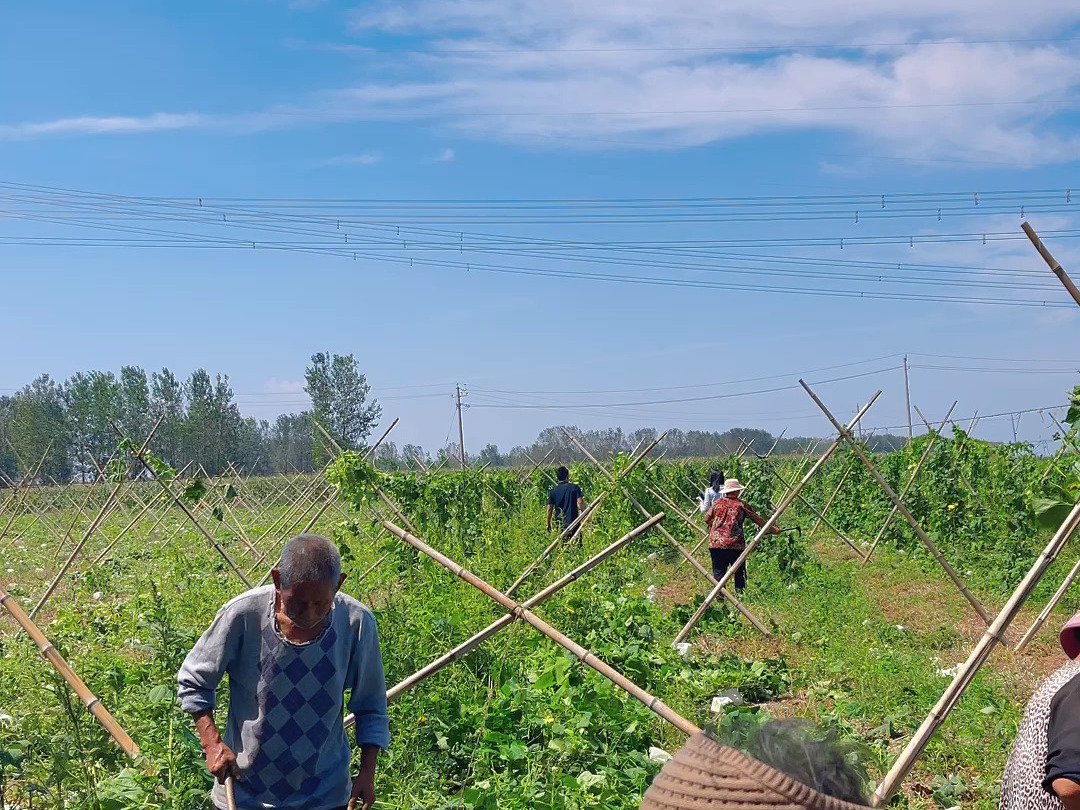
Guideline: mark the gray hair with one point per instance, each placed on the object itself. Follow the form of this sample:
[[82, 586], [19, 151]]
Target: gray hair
[[309, 558]]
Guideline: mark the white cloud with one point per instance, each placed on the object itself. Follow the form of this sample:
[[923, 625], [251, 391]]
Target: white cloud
[[447, 155], [112, 125], [366, 159], [564, 70], [682, 73], [276, 386]]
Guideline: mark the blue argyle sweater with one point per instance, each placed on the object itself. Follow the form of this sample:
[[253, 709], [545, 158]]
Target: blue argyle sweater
[[287, 701]]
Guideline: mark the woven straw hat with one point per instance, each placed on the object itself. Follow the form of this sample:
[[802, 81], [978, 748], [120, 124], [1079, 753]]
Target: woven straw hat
[[731, 485], [705, 775]]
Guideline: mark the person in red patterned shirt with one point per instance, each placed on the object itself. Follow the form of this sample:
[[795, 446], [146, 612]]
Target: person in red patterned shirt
[[725, 521]]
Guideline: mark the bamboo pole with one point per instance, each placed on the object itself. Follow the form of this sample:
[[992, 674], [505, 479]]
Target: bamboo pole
[[652, 703], [29, 481], [1042, 617], [829, 503], [586, 513], [994, 635], [79, 513], [769, 523], [675, 544], [911, 479], [101, 714], [821, 515], [744, 447], [933, 549], [479, 638], [1055, 268], [183, 508], [102, 513]]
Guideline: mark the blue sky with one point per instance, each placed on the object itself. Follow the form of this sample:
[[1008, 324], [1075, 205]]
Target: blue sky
[[483, 100]]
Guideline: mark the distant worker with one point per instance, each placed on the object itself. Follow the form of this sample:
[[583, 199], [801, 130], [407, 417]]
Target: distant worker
[[716, 483], [725, 521], [1043, 771], [291, 650], [566, 499]]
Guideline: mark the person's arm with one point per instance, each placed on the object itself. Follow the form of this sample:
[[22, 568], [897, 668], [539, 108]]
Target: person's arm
[[220, 760], [759, 520], [550, 509], [580, 500], [197, 683], [368, 702], [1062, 770], [1068, 792]]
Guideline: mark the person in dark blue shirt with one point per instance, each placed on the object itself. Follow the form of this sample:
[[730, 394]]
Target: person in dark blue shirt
[[566, 499]]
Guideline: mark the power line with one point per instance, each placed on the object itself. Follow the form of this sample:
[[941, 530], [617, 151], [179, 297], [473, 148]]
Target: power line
[[706, 398]]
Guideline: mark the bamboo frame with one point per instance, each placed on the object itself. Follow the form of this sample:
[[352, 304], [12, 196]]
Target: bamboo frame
[[828, 504], [652, 703], [821, 515], [922, 535], [580, 521], [479, 638], [934, 435], [1046, 611], [28, 484], [675, 544], [183, 508], [106, 508], [93, 705], [994, 635], [769, 523]]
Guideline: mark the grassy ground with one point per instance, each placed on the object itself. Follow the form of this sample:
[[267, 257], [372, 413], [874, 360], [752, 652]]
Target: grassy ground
[[862, 649]]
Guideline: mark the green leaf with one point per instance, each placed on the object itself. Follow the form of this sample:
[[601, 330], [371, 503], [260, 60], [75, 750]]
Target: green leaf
[[160, 695], [546, 679], [194, 491], [1050, 514]]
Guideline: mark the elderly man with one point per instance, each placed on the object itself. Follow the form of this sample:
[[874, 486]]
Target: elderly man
[[291, 650]]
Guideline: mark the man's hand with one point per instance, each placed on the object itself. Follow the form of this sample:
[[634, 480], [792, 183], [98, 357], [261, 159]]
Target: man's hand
[[363, 790], [221, 762]]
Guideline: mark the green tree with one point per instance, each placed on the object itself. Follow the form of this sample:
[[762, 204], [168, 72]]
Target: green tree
[[213, 423], [7, 458], [339, 395], [489, 455], [39, 423], [290, 443], [134, 403], [93, 403], [167, 404]]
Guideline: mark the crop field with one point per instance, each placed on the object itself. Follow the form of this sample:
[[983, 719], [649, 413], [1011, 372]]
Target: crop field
[[865, 649]]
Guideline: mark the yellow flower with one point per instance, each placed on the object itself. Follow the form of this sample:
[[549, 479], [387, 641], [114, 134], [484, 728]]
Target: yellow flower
[[952, 506]]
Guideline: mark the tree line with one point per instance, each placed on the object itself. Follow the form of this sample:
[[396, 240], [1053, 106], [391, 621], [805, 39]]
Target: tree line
[[554, 444], [67, 430]]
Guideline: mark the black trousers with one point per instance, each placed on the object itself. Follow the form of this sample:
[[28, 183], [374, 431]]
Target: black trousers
[[722, 559]]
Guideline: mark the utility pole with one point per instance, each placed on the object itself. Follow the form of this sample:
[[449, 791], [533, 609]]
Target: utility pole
[[460, 427], [907, 399]]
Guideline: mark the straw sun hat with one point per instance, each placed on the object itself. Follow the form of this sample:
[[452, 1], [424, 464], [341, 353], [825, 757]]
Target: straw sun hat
[[706, 775], [731, 485]]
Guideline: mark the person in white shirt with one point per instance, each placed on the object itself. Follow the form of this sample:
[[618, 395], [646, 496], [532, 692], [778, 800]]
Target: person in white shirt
[[716, 483]]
